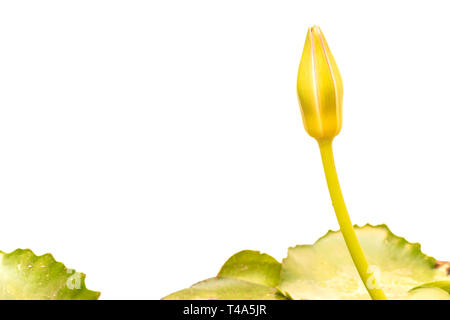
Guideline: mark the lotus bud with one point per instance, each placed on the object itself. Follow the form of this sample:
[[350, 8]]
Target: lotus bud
[[319, 88]]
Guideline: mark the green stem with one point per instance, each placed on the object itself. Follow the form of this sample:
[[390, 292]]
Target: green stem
[[356, 252]]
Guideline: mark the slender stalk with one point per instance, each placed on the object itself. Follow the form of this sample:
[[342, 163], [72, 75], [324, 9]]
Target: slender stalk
[[353, 245]]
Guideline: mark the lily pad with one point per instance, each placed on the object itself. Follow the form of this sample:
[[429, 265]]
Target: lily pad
[[252, 266], [325, 270], [247, 275], [25, 276], [443, 285], [227, 289], [426, 294]]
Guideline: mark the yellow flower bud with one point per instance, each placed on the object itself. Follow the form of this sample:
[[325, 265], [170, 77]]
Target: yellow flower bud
[[319, 88]]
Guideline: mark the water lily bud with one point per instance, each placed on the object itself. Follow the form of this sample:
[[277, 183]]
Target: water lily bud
[[319, 88]]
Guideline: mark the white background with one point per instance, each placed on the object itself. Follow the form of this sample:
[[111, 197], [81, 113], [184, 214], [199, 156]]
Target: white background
[[145, 142]]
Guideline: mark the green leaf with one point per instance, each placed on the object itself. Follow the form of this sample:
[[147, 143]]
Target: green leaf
[[247, 275], [25, 276], [443, 285], [227, 289], [325, 270], [426, 294], [252, 266]]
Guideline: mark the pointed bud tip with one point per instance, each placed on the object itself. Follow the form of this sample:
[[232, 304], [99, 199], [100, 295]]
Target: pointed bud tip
[[314, 29]]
